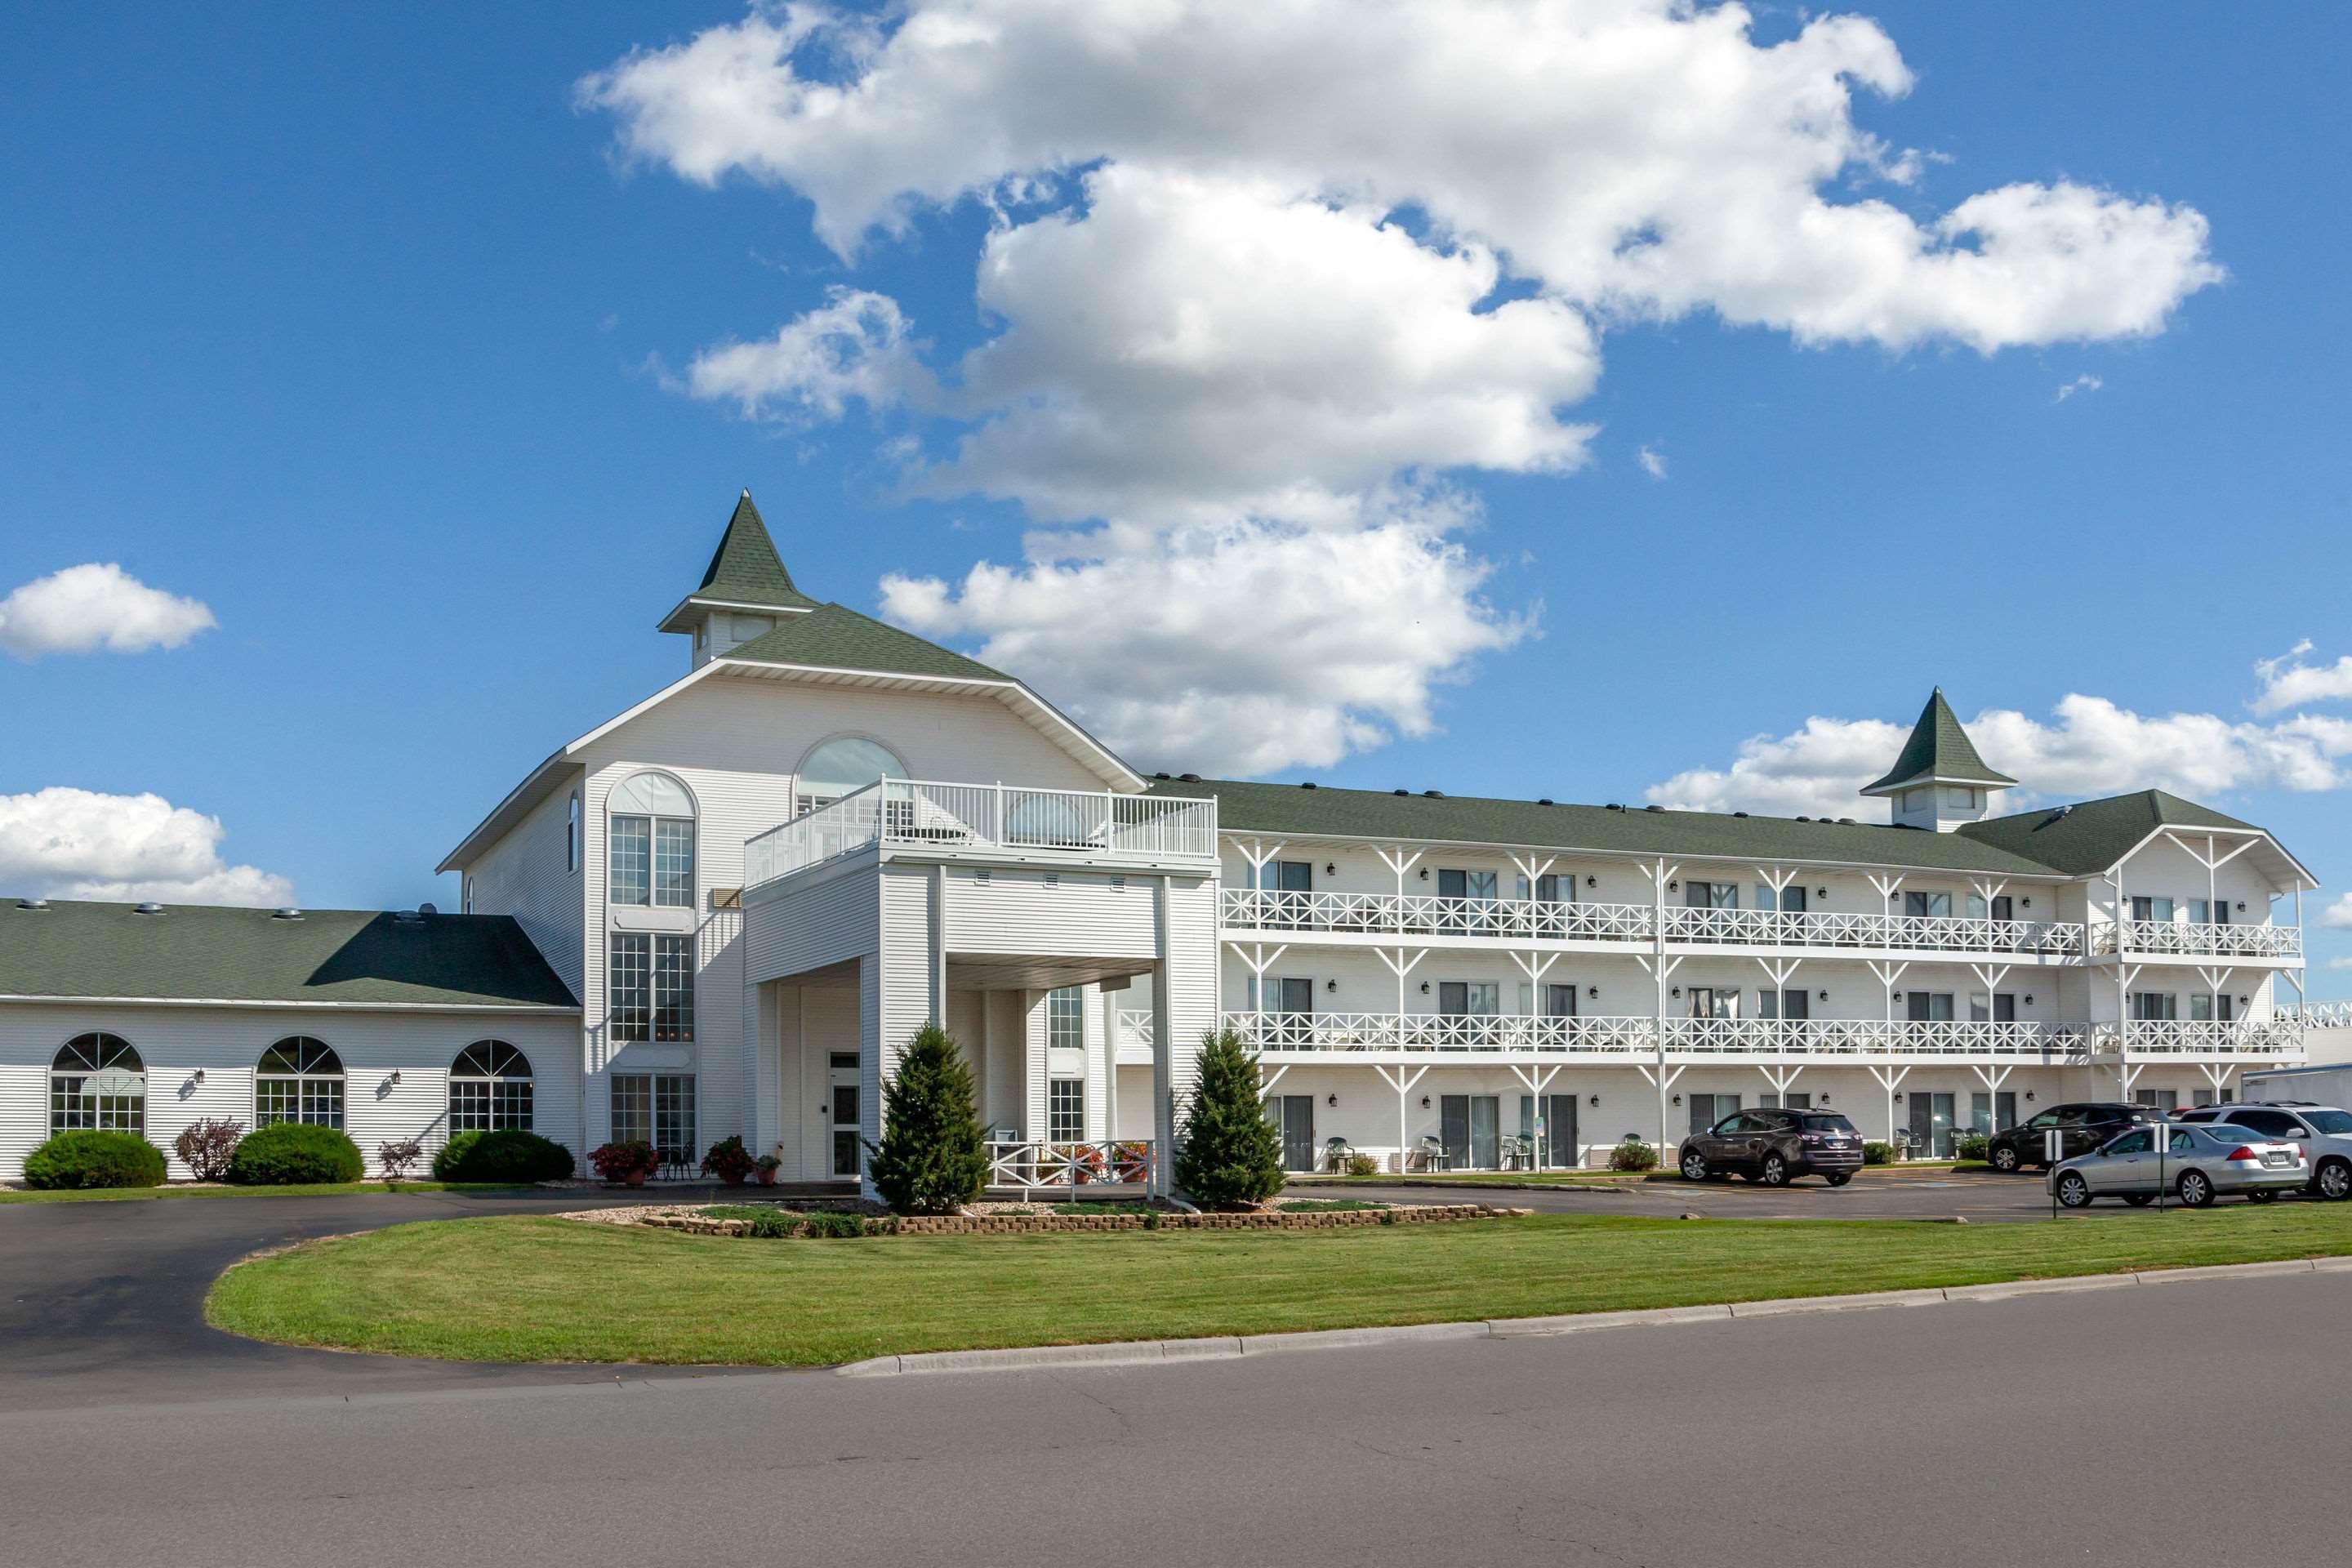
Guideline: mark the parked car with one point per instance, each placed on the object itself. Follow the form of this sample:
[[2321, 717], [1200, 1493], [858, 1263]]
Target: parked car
[[2197, 1163], [1775, 1147], [2324, 1131], [2086, 1125]]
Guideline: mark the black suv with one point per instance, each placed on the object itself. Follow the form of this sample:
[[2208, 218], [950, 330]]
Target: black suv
[[1774, 1146], [2086, 1125]]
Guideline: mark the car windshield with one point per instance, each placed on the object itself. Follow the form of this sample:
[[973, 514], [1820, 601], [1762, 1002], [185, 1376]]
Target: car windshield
[[2334, 1121], [1828, 1124]]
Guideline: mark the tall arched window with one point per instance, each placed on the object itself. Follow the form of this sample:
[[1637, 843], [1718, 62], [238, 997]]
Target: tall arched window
[[489, 1088], [652, 850], [98, 1081], [299, 1079], [841, 766]]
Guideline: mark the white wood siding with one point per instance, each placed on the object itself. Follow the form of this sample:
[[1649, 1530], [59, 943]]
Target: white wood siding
[[1018, 910]]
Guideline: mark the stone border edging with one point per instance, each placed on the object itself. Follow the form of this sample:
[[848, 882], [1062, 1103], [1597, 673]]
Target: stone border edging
[[1048, 1224], [1130, 1353]]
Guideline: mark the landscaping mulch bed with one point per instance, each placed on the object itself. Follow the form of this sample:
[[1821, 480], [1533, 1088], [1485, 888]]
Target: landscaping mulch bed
[[693, 1219]]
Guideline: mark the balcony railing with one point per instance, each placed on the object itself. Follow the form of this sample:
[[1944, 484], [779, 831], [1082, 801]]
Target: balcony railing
[[1635, 1038], [1413, 914], [1123, 1161], [2191, 939], [2321, 1015], [1134, 1024], [919, 813]]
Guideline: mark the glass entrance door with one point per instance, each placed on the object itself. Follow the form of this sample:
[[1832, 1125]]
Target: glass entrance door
[[842, 1107], [1294, 1115], [1471, 1127], [1931, 1126]]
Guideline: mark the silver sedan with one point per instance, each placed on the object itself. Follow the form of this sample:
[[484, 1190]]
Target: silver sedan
[[2196, 1163]]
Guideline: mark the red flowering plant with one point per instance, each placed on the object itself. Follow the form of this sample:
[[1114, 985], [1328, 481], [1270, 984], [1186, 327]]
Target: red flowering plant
[[631, 1162], [730, 1161]]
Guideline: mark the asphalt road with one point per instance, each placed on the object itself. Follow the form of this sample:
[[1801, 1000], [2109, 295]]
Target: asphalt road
[[2035, 1430], [1977, 1196]]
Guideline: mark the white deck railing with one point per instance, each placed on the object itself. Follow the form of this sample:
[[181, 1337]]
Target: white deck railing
[[917, 812], [1121, 1162], [1636, 1037], [2320, 1015], [1421, 914], [1134, 1028], [2191, 939]]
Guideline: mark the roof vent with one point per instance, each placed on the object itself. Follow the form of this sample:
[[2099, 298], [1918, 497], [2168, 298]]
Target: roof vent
[[426, 909], [1612, 806], [1804, 819], [32, 903], [1160, 776], [406, 918], [1308, 784], [1189, 778], [147, 910], [1434, 793], [1654, 808], [1400, 791], [288, 913], [1739, 814], [2065, 810], [1847, 821], [1545, 800]]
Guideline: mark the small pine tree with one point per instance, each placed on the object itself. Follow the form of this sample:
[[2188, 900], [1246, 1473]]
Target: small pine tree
[[930, 1159], [1231, 1152]]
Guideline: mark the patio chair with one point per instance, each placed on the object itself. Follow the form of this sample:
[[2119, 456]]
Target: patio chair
[[1432, 1154], [1336, 1153]]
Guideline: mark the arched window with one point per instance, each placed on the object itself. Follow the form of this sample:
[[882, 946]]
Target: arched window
[[98, 1081], [652, 853], [841, 766], [299, 1079], [489, 1088]]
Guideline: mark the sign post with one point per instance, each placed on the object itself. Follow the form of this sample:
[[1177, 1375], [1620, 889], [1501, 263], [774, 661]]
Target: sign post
[[2163, 1136], [2053, 1149]]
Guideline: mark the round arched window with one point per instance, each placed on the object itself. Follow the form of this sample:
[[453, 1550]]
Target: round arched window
[[98, 1081], [299, 1079], [489, 1088], [652, 836], [843, 766]]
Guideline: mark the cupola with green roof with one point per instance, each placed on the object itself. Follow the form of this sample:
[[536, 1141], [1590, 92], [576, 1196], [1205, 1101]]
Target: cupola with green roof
[[1939, 782], [745, 593]]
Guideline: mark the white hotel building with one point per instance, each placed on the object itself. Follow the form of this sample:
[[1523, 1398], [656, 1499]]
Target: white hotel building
[[726, 910]]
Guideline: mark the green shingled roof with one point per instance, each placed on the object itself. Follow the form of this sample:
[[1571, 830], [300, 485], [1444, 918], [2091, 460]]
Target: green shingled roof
[[351, 957], [2073, 842], [746, 570], [1938, 749], [838, 637]]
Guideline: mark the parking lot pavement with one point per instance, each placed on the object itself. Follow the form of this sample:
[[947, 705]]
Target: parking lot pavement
[[1977, 1196], [102, 1303]]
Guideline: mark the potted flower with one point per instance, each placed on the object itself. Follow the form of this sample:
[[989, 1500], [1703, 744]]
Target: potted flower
[[730, 1161], [628, 1164], [767, 1166]]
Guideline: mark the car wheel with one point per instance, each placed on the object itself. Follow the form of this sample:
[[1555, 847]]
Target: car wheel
[[1840, 1178], [2333, 1181], [1775, 1172], [1693, 1165], [2073, 1192], [2196, 1189], [2139, 1200], [2004, 1160]]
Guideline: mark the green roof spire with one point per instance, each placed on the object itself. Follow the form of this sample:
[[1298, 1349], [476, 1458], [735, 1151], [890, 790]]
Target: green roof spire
[[1938, 750], [745, 569]]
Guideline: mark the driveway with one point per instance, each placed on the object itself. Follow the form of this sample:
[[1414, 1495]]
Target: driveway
[[103, 1303]]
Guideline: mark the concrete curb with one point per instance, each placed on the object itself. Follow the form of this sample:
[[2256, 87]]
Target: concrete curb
[[1134, 1352]]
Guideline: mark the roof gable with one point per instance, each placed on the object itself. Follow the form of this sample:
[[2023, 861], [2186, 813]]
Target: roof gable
[[833, 636], [745, 572], [2089, 837], [328, 957], [1938, 748]]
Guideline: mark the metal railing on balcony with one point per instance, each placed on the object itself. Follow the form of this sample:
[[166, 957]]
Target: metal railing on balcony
[[1417, 914], [2172, 1037], [2191, 939], [1049, 1164], [915, 812]]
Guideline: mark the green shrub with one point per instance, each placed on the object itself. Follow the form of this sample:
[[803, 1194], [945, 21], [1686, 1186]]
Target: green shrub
[[290, 1153], [1230, 1153], [1972, 1147], [1877, 1153], [771, 1223], [509, 1155], [1362, 1165], [91, 1158], [1633, 1154], [932, 1159], [834, 1225]]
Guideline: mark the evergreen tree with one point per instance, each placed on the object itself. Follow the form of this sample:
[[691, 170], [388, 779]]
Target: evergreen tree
[[930, 1159], [1231, 1152]]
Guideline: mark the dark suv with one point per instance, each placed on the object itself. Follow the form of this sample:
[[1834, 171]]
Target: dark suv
[[2087, 1124], [1774, 1146]]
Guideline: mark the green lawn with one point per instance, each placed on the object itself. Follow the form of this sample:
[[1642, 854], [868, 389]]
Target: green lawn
[[311, 1190], [534, 1289]]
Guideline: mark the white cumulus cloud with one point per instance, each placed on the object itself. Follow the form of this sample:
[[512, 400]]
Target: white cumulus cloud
[[2080, 384], [83, 609], [1653, 461], [2339, 913], [1252, 265], [2289, 682], [80, 844], [2090, 746]]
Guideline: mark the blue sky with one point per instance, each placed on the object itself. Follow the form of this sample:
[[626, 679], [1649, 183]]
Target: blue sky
[[356, 328]]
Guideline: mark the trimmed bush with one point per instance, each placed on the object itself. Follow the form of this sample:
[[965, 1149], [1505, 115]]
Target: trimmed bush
[[930, 1159], [294, 1153], [833, 1224], [1877, 1153], [1969, 1148], [509, 1155], [205, 1147], [1362, 1165], [771, 1224], [1633, 1154], [1230, 1153], [91, 1158]]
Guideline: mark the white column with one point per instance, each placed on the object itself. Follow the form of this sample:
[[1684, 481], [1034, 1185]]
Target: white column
[[1163, 1050]]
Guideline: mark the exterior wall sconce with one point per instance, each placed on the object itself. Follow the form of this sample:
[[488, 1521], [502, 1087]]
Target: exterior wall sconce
[[1678, 1100], [1330, 986], [1424, 873], [1678, 990], [2029, 1097], [2025, 903], [1825, 995], [2241, 906], [198, 1076], [1593, 992], [1893, 896], [1898, 1097], [2029, 998], [1330, 868], [395, 1077], [1596, 1102], [1820, 892], [1424, 1102], [1331, 1099], [2241, 1000], [1424, 988], [1898, 996], [1826, 1099], [1595, 882], [1674, 887]]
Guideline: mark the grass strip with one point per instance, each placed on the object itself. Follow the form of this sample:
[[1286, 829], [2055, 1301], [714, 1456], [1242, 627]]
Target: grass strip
[[540, 1288]]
